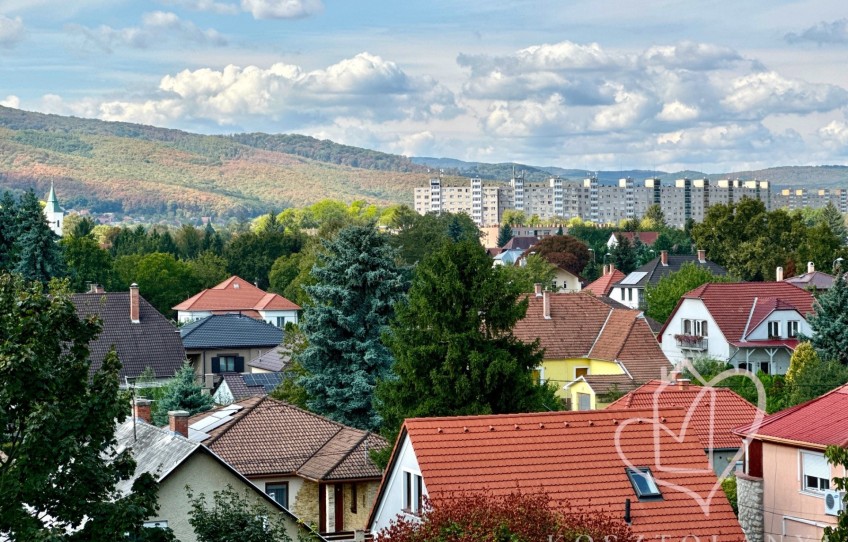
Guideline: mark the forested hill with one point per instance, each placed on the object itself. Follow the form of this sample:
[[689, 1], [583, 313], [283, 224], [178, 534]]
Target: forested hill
[[138, 169]]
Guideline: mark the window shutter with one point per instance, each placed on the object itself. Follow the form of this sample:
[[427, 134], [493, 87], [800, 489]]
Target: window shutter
[[216, 365], [815, 465], [239, 364]]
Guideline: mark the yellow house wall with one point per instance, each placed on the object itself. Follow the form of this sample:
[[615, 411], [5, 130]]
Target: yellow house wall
[[562, 371], [581, 387]]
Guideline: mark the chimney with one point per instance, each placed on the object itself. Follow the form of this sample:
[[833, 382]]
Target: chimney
[[538, 288], [683, 383], [702, 255], [142, 410], [546, 305], [673, 376], [664, 257], [611, 268], [178, 422], [811, 267], [94, 288], [778, 274], [134, 318]]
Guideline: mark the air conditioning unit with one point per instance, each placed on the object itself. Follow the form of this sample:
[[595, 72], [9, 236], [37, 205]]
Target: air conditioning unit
[[833, 502]]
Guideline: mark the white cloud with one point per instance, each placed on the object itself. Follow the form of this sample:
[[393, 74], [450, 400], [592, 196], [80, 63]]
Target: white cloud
[[835, 135], [212, 6], [677, 112], [282, 9], [11, 101], [760, 94], [822, 33], [691, 56], [11, 31], [156, 28]]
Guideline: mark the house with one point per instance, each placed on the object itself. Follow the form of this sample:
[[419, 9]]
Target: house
[[751, 325], [237, 386], [631, 289], [319, 469], [273, 361], [140, 335], [812, 280], [178, 462], [603, 286], [221, 343], [521, 242], [592, 350], [507, 256], [237, 296], [715, 413], [645, 237], [563, 281], [787, 489], [601, 462]]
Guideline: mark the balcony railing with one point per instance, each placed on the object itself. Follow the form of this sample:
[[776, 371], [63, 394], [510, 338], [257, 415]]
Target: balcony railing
[[691, 342]]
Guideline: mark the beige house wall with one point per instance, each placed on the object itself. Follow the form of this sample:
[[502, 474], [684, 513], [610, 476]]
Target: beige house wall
[[788, 510], [201, 360], [366, 493], [306, 503], [204, 475]]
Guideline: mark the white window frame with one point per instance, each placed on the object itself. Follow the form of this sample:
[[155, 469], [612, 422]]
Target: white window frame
[[792, 328], [413, 493], [810, 464], [773, 324]]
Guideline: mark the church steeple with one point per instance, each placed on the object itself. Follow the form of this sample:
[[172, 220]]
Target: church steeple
[[53, 212]]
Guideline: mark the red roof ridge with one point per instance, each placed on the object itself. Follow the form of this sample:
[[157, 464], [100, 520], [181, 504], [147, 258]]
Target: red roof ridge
[[365, 435]]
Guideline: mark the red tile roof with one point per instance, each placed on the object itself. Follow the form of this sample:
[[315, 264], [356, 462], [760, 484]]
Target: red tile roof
[[715, 411], [579, 457], [235, 294], [603, 285], [270, 437], [818, 423], [582, 326], [731, 304]]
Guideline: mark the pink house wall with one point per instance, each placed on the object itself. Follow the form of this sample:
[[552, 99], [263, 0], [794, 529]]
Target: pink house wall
[[789, 511]]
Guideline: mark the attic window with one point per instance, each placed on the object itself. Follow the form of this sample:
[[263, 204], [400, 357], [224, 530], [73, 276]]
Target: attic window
[[236, 285], [644, 484]]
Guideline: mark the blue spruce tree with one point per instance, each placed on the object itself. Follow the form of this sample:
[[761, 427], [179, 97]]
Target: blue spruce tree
[[39, 257], [358, 282]]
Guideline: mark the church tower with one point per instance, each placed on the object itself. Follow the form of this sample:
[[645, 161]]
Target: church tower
[[54, 214]]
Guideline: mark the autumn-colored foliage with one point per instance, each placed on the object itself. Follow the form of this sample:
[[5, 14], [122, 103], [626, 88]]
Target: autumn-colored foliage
[[516, 517], [563, 251]]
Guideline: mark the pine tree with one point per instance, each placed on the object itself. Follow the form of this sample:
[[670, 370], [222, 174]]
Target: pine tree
[[504, 235], [358, 282], [39, 255], [829, 322], [804, 356], [623, 255], [831, 216], [453, 343], [8, 229], [182, 393]]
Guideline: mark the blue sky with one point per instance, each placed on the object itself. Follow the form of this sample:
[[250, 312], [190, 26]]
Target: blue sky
[[601, 84]]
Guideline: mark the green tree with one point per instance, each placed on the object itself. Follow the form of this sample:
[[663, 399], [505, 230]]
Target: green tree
[[181, 393], [78, 226], [654, 219], [250, 255], [86, 261], [59, 466], [235, 516], [504, 235], [283, 272], [212, 240], [453, 344], [209, 269], [838, 455], [8, 231], [417, 236], [163, 280], [289, 389], [829, 322], [513, 217], [816, 379], [358, 282], [623, 255], [661, 298], [39, 257], [189, 241], [804, 356], [835, 221], [536, 270]]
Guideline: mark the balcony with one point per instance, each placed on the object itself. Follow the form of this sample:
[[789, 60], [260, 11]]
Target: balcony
[[691, 342]]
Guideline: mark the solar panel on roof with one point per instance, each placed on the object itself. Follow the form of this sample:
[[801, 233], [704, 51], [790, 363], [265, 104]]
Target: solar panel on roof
[[215, 419], [268, 381], [634, 277]]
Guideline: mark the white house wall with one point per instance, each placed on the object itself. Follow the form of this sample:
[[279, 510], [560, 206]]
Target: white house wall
[[619, 293], [784, 317], [391, 503], [271, 317], [694, 309]]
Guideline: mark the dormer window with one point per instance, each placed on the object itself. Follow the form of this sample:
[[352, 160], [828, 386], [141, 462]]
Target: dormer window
[[644, 484], [774, 330], [792, 328]]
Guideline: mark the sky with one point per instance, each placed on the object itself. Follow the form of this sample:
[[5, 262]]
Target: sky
[[586, 84]]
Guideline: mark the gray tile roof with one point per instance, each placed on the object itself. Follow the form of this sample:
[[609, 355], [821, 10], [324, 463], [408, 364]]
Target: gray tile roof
[[273, 360], [229, 331], [244, 385], [654, 270], [153, 341], [155, 450]]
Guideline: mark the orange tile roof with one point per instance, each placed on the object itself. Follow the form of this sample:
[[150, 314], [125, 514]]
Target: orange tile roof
[[603, 285], [731, 304], [715, 411], [270, 437], [582, 326], [579, 457], [235, 294]]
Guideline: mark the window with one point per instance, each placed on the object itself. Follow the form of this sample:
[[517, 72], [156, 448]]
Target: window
[[161, 524], [695, 327], [765, 366], [774, 329], [413, 491], [580, 371], [584, 401], [353, 498], [281, 321], [228, 364], [792, 328], [815, 472], [643, 483], [630, 294], [279, 492], [687, 327]]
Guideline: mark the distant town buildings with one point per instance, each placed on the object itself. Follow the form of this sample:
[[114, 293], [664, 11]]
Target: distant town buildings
[[680, 201]]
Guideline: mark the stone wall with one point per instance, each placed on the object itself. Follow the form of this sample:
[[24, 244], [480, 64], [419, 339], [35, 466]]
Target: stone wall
[[306, 503], [749, 495]]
